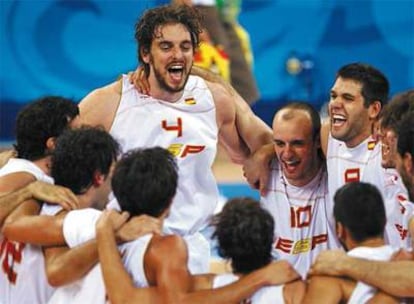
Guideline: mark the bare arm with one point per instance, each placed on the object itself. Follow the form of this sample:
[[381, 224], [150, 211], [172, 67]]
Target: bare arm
[[175, 270], [394, 277], [113, 271], [325, 128], [25, 225], [65, 265], [323, 289], [274, 274], [37, 190], [98, 108], [383, 298]]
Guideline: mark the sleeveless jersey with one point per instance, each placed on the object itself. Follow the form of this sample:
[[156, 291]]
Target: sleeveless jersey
[[303, 218], [265, 295], [363, 163], [363, 292], [188, 129], [22, 273]]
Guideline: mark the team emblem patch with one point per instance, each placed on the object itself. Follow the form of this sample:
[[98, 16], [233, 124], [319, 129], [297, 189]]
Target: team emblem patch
[[190, 101], [371, 145]]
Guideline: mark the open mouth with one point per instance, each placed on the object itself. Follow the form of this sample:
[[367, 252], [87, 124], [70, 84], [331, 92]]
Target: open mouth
[[338, 120], [291, 165], [176, 71]]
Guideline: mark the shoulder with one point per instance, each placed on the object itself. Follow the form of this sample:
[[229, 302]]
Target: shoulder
[[169, 243], [101, 103]]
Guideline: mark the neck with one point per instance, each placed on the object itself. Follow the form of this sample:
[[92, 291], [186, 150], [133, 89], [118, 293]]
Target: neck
[[352, 143], [372, 242], [44, 164], [86, 200], [162, 94]]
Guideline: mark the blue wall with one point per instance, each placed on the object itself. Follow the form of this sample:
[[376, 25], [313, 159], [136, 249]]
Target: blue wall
[[71, 47]]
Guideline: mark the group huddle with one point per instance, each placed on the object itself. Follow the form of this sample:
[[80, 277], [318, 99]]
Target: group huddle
[[107, 201]]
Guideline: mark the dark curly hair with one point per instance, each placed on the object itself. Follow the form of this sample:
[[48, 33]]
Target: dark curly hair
[[406, 135], [40, 120], [360, 208], [398, 107], [244, 231], [79, 154], [375, 86], [145, 181], [148, 24]]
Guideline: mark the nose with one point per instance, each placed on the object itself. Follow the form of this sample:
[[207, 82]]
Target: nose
[[177, 53], [287, 152]]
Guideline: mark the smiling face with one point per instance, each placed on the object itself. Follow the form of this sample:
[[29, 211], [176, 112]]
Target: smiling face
[[388, 148], [351, 121], [295, 146], [170, 58]]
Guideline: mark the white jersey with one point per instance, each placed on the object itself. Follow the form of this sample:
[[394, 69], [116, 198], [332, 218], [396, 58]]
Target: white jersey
[[265, 295], [188, 129], [22, 274], [363, 292], [363, 163], [303, 218]]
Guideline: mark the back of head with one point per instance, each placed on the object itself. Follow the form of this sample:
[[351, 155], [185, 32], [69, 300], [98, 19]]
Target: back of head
[[359, 207], [244, 231], [308, 108], [79, 154], [44, 118], [396, 109], [148, 24], [375, 86], [406, 135], [145, 181]]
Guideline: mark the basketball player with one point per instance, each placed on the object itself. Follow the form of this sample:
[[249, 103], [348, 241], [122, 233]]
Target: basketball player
[[297, 196], [37, 126], [391, 117], [244, 231], [360, 220], [82, 161], [395, 277], [185, 114], [352, 154]]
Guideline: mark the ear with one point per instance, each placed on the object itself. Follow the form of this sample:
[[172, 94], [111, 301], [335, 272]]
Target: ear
[[51, 143], [145, 55], [407, 162], [340, 231], [374, 109], [98, 179]]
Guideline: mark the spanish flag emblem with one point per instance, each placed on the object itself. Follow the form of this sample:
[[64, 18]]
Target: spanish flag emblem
[[190, 101], [371, 145]]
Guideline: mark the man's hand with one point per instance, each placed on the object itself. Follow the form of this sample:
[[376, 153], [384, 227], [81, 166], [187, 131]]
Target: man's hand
[[256, 169], [279, 272], [329, 262], [139, 80], [112, 220], [138, 226], [54, 194]]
